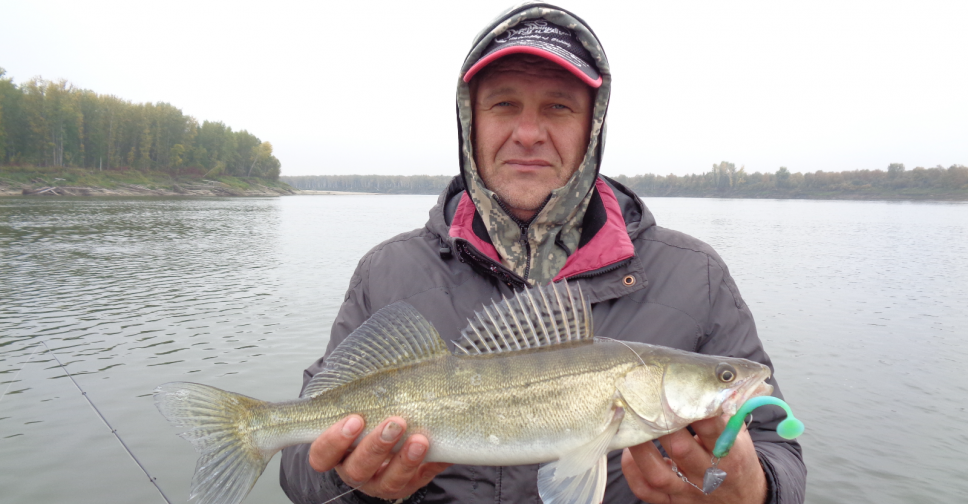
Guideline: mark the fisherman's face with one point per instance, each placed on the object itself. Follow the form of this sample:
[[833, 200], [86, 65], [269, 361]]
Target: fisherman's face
[[531, 125]]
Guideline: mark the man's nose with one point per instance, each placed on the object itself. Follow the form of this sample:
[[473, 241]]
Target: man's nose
[[529, 130]]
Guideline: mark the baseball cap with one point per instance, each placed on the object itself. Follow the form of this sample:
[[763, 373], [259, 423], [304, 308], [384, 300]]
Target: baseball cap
[[541, 38]]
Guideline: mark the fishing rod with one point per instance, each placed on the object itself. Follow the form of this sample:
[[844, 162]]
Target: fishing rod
[[105, 420]]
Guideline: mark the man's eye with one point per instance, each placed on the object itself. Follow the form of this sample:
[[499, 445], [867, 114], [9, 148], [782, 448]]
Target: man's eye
[[559, 106]]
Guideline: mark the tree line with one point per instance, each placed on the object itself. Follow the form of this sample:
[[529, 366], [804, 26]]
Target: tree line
[[723, 180], [53, 124]]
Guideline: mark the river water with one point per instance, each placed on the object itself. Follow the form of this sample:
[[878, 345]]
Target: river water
[[863, 307]]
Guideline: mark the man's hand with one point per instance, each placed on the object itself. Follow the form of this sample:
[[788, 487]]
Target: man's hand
[[371, 467], [651, 478]]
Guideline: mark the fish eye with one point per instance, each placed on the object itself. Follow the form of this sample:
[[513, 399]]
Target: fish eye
[[725, 372]]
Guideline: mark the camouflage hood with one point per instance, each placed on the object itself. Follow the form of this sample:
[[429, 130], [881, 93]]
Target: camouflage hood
[[537, 250]]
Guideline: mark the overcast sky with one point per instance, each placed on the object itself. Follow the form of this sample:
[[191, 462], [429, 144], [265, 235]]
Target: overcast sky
[[368, 87]]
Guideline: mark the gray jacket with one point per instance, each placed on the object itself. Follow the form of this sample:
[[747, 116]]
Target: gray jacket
[[673, 290]]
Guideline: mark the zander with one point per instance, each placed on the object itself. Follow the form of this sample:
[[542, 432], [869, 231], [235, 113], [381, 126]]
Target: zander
[[528, 383]]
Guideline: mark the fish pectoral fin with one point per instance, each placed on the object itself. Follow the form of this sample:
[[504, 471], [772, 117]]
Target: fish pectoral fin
[[585, 488], [579, 475]]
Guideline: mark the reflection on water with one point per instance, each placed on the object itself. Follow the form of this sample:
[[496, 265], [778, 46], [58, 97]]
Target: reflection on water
[[860, 304]]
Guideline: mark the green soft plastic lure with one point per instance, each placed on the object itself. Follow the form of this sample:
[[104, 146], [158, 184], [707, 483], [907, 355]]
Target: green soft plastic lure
[[789, 428]]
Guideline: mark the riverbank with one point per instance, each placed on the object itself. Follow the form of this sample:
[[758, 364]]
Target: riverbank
[[300, 192], [919, 184], [22, 181]]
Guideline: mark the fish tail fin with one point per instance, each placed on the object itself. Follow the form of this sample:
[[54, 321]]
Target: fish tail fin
[[230, 460]]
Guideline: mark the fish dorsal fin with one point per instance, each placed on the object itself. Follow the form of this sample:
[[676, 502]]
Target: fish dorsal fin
[[537, 317], [394, 336]]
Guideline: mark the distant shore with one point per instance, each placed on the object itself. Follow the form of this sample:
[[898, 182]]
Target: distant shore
[[935, 184], [300, 192], [896, 184], [46, 182], [135, 190], [128, 190]]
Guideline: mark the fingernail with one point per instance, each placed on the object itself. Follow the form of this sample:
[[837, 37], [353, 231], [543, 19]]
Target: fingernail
[[390, 432], [352, 426], [416, 451]]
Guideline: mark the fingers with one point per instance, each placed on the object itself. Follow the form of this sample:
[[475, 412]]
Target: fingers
[[746, 481], [405, 473], [709, 430], [375, 470], [652, 478], [688, 453], [368, 457], [428, 472], [648, 474], [331, 446], [372, 467], [401, 470]]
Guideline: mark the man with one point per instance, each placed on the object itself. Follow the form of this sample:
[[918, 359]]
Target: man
[[528, 208]]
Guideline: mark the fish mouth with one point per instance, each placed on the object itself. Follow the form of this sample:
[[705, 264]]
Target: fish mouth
[[744, 393]]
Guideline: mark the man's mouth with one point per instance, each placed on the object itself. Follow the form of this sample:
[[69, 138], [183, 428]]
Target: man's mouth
[[527, 164]]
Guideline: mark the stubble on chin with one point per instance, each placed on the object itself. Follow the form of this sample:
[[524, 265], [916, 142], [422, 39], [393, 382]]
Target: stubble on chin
[[527, 196], [520, 196]]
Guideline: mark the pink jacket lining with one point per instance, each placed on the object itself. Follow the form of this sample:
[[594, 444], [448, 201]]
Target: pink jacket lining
[[610, 245]]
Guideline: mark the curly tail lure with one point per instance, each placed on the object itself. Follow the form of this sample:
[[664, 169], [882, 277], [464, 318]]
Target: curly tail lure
[[789, 428]]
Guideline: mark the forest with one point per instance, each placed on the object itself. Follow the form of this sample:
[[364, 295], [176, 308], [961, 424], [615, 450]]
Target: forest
[[726, 181], [52, 124], [723, 180]]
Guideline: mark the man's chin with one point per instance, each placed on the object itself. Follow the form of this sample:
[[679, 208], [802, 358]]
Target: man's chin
[[523, 206]]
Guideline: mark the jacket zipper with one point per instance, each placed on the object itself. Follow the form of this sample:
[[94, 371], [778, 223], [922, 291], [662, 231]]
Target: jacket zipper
[[523, 226], [602, 270], [527, 250], [507, 276]]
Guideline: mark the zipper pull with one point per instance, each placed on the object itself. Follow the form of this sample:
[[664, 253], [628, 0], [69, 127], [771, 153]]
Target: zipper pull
[[444, 251]]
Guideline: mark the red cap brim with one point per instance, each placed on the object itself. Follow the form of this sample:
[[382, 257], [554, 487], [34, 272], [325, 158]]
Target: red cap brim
[[523, 49]]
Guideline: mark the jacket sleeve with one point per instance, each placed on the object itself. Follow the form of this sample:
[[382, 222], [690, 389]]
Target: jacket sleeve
[[730, 331], [302, 484]]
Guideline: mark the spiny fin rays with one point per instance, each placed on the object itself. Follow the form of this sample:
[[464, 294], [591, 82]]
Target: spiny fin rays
[[537, 317]]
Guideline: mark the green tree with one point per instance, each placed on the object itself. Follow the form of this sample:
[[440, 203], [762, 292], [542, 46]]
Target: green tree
[[783, 177], [895, 170]]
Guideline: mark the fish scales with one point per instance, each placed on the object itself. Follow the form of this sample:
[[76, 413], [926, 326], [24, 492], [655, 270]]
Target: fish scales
[[528, 383], [481, 410], [485, 410]]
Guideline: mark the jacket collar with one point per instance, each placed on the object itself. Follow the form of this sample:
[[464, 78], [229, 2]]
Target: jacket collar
[[605, 258]]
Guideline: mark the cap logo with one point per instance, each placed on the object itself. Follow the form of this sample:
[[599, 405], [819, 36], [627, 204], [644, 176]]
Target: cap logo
[[534, 30], [545, 39]]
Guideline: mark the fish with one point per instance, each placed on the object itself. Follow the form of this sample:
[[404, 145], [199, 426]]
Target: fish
[[526, 383]]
